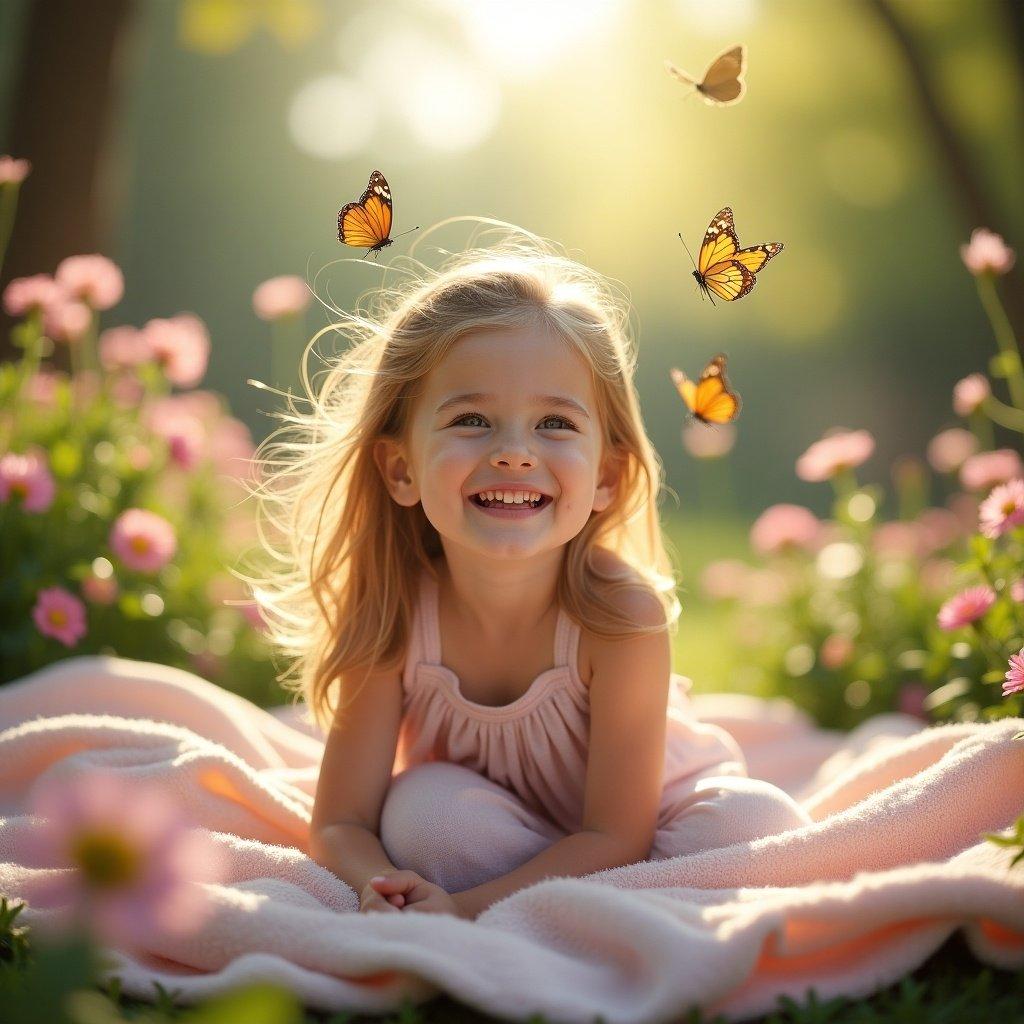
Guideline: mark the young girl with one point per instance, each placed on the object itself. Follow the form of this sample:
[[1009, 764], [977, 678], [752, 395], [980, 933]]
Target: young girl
[[478, 599]]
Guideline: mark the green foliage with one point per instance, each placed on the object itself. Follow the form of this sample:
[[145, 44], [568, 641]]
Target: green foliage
[[112, 441]]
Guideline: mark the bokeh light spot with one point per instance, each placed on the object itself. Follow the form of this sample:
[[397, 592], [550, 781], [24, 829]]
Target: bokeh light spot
[[332, 117]]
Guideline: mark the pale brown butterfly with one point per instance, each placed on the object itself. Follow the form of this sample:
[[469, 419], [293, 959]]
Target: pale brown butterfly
[[722, 84]]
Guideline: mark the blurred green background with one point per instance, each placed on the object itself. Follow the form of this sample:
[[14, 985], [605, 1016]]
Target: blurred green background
[[238, 129]]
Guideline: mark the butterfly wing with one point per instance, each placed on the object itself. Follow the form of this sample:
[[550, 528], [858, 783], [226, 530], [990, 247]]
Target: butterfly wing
[[716, 401], [720, 242], [367, 223], [723, 80], [729, 280], [679, 74], [757, 256]]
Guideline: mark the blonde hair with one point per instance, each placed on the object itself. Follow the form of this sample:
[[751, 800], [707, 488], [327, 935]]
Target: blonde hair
[[339, 596]]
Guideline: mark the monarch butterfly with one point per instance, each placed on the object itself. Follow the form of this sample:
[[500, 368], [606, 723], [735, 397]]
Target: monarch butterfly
[[368, 222], [710, 400], [723, 268], [722, 83]]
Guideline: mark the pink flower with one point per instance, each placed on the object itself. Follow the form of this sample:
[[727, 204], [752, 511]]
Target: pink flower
[[966, 607], [898, 539], [59, 614], [41, 387], [100, 590], [66, 320], [704, 442], [1003, 509], [784, 526], [132, 867], [1015, 674], [724, 579], [948, 449], [142, 540], [983, 471], [986, 253], [181, 345], [25, 294], [232, 447], [183, 432], [911, 700], [122, 348], [1017, 591], [28, 478], [94, 280], [280, 297], [937, 529], [12, 171], [842, 449], [836, 651], [970, 393]]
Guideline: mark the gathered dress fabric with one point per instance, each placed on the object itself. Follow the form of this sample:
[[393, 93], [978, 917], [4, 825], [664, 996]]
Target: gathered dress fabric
[[478, 790]]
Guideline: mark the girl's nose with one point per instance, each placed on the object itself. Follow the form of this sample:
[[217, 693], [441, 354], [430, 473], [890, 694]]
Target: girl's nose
[[512, 457]]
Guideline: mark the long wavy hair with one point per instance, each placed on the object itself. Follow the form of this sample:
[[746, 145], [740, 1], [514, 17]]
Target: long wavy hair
[[340, 558]]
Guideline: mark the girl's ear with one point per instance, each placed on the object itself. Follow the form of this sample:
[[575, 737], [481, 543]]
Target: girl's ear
[[608, 482], [394, 469]]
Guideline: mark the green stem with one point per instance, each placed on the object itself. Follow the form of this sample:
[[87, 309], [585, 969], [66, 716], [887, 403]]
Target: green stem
[[1003, 414], [996, 656], [8, 209], [1005, 338], [980, 422], [29, 364]]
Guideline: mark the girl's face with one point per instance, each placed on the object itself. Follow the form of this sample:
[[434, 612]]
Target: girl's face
[[509, 409]]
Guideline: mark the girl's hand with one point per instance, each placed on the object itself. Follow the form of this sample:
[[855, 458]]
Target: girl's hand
[[420, 896], [371, 900]]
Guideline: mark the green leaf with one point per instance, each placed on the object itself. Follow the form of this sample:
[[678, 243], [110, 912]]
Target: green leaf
[[257, 1004], [65, 459]]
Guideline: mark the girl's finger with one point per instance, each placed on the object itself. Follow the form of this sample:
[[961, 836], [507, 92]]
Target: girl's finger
[[396, 899]]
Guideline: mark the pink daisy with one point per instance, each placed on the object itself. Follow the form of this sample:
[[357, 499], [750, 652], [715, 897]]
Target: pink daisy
[[66, 320], [948, 450], [784, 526], [132, 866], [59, 614], [94, 280], [182, 430], [1015, 674], [25, 294], [27, 478], [969, 393], [181, 346], [842, 449], [966, 607], [122, 348], [983, 471], [986, 253], [281, 297], [13, 171], [1003, 509], [142, 540], [1017, 591]]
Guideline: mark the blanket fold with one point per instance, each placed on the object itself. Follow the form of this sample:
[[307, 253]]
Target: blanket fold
[[893, 864]]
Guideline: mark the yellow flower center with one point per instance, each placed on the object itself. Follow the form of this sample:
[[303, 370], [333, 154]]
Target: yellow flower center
[[1008, 507], [20, 488], [140, 544], [58, 617], [105, 859]]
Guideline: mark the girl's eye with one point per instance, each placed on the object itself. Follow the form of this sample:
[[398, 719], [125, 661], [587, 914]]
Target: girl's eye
[[477, 416]]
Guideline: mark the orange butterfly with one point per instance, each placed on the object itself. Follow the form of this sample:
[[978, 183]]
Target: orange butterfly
[[723, 268], [710, 400], [368, 222], [722, 83]]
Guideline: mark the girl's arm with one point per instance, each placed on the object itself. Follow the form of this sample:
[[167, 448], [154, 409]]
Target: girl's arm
[[359, 754], [625, 765]]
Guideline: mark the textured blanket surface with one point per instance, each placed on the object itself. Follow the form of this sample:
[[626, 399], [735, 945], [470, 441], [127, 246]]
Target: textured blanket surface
[[892, 865]]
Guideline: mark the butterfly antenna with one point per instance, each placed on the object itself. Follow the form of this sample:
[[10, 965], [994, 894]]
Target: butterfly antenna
[[399, 235], [687, 248]]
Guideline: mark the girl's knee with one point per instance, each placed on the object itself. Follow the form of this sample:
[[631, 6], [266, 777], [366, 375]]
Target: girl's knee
[[726, 810]]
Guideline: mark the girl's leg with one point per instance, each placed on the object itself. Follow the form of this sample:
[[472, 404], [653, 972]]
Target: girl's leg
[[722, 810], [456, 828]]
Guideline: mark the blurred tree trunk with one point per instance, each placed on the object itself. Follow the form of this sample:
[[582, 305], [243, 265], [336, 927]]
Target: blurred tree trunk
[[64, 96], [975, 205]]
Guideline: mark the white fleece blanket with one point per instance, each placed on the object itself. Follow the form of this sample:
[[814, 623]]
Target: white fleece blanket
[[893, 864]]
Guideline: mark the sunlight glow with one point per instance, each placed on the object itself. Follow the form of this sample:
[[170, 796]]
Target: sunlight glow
[[332, 117], [449, 104], [713, 17], [521, 38]]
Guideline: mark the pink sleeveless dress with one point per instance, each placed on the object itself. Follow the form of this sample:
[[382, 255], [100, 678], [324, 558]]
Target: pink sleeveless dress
[[536, 747]]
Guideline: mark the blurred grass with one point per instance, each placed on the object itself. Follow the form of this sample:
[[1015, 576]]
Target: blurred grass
[[704, 648]]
